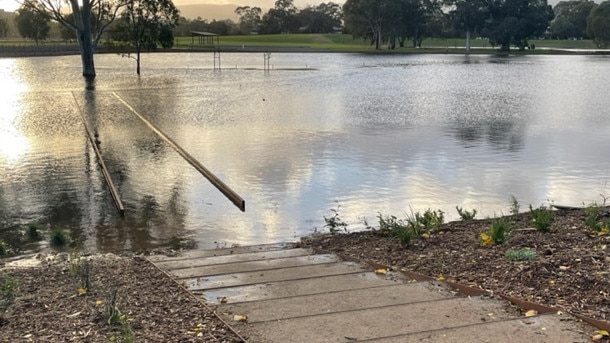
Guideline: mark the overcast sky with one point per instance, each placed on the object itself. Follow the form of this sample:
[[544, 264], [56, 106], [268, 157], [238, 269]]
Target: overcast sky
[[11, 5]]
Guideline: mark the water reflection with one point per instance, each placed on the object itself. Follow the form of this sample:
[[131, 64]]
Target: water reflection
[[414, 132]]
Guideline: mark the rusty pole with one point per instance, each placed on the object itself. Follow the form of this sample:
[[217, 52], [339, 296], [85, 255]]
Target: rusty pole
[[221, 186], [113, 191]]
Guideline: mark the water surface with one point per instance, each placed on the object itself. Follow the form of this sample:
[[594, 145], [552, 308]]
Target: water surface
[[370, 134]]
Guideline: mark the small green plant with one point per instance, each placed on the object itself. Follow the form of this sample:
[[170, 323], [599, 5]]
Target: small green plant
[[33, 231], [430, 220], [593, 213], [514, 205], [396, 228], [112, 313], [465, 214], [80, 268], [426, 222], [499, 230], [8, 290], [3, 248], [114, 316], [73, 262], [59, 238], [520, 255], [334, 222], [541, 218]]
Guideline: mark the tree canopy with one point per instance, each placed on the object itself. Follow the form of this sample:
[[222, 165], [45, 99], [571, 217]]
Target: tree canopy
[[598, 24], [571, 19], [504, 22], [144, 24], [32, 24], [83, 14]]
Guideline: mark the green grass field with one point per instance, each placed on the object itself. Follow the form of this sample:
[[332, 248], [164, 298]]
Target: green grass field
[[345, 43]]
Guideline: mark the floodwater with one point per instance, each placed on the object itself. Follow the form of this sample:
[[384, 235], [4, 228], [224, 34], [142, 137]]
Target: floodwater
[[359, 134]]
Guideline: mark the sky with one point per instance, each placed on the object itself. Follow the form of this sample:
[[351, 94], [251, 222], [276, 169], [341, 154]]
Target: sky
[[11, 5]]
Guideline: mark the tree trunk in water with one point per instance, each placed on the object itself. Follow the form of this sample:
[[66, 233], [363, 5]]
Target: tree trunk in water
[[138, 60], [467, 40], [86, 53], [82, 20]]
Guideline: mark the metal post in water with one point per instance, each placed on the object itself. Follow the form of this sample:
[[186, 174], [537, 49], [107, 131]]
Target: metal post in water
[[216, 57], [267, 61]]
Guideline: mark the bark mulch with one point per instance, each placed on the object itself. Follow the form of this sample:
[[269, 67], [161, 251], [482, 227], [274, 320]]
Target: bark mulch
[[128, 300], [570, 270]]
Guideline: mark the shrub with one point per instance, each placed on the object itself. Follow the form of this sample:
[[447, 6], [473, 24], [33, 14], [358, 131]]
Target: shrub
[[541, 218], [33, 231]]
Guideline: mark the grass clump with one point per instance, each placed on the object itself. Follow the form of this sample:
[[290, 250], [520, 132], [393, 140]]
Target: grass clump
[[3, 248], [32, 231], [594, 218], [466, 215], [541, 218], [524, 254], [334, 222], [59, 237], [426, 222], [414, 226]]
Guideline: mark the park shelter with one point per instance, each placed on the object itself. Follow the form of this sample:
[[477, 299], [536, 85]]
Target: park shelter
[[204, 38]]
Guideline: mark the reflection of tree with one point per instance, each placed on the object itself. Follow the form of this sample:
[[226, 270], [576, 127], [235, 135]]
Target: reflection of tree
[[155, 209], [500, 134]]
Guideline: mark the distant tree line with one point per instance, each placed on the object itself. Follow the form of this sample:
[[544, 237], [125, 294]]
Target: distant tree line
[[384, 23], [284, 17], [504, 22]]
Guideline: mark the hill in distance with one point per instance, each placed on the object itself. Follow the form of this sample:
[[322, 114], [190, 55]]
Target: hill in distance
[[208, 11]]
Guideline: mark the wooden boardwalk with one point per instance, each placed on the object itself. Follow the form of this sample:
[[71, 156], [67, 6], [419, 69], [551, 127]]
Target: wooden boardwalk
[[283, 293]]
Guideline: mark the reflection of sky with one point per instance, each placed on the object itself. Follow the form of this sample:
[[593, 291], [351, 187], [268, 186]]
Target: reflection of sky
[[373, 134]]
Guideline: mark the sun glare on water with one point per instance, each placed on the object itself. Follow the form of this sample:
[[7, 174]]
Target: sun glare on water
[[13, 144]]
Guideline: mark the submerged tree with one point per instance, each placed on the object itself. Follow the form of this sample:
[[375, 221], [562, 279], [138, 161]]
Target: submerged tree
[[82, 14], [470, 15], [146, 23], [513, 22]]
